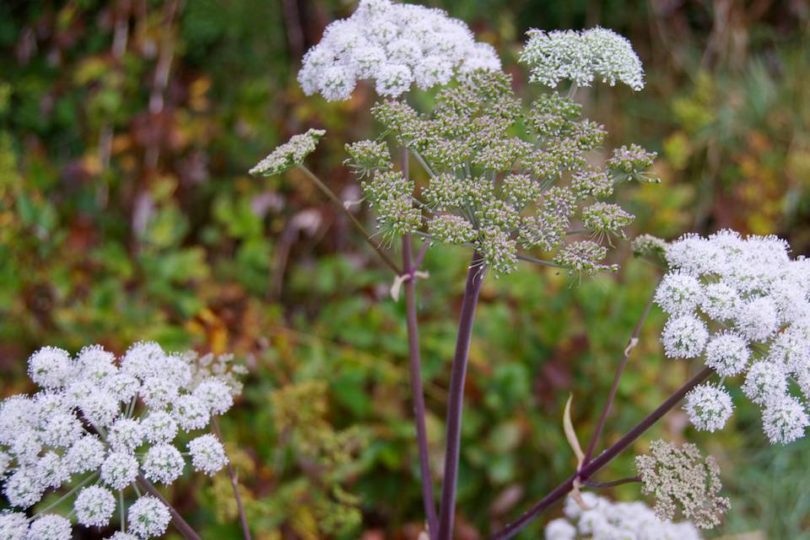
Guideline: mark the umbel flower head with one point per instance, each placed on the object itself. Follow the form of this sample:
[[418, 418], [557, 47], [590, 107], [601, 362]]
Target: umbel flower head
[[289, 154], [100, 424], [679, 477], [492, 183], [744, 306], [582, 57], [602, 518], [393, 45]]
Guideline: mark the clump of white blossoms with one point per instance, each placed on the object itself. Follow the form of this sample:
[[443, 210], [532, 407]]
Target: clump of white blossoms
[[602, 518], [582, 57], [100, 425], [744, 306], [394, 45]]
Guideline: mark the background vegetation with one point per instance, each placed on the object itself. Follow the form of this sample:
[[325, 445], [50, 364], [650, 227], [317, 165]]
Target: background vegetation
[[127, 128]]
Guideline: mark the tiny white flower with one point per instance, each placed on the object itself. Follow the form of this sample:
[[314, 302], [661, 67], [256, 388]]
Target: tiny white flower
[[159, 392], [61, 430], [684, 336], [100, 408], [393, 79], [784, 420], [16, 412], [141, 358], [124, 387], [26, 446], [119, 470], [95, 363], [190, 413], [727, 354], [765, 382], [148, 517], [215, 394], [51, 471], [720, 301], [757, 320], [125, 435], [207, 454], [433, 70], [709, 407], [159, 427], [163, 463], [50, 367], [23, 488], [94, 506], [86, 454], [337, 83], [50, 527], [13, 526], [679, 293]]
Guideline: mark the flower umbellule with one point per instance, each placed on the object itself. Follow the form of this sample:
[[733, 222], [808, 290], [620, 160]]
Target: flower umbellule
[[106, 421], [744, 305], [679, 477]]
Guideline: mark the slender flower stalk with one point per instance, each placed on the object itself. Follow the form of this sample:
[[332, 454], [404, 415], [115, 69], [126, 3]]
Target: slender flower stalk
[[357, 225], [419, 408], [587, 471], [613, 483], [235, 486], [631, 344], [180, 524], [455, 401], [410, 266]]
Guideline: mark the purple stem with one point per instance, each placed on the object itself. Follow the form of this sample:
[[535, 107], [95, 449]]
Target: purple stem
[[416, 384], [455, 403], [601, 460]]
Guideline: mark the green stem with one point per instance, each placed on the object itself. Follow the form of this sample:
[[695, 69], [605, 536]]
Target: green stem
[[61, 499], [357, 225]]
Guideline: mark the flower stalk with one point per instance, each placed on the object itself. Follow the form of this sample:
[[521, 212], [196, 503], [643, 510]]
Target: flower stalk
[[455, 402]]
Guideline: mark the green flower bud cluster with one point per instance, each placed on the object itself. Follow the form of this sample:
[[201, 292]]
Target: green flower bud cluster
[[631, 163], [367, 157], [499, 176]]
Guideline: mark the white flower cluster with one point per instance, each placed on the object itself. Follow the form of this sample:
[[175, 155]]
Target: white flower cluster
[[604, 519], [744, 305], [101, 424], [394, 45], [582, 57]]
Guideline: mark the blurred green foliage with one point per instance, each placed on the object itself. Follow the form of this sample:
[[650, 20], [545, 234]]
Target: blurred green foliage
[[127, 127]]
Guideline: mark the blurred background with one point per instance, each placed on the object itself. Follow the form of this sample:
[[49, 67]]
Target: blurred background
[[127, 128]]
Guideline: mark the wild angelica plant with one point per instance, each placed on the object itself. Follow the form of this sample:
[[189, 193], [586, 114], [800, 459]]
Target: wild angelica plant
[[500, 176], [102, 426]]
